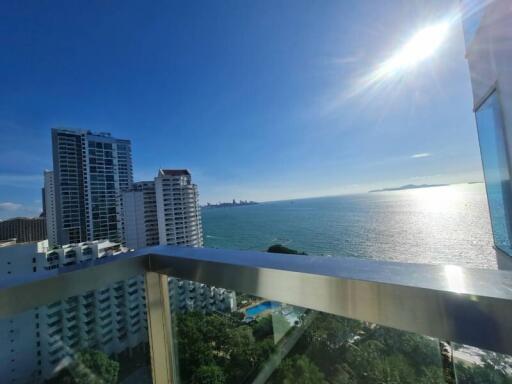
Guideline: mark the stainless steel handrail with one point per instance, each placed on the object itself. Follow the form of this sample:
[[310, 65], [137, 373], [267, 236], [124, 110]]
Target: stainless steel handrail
[[463, 305], [24, 292]]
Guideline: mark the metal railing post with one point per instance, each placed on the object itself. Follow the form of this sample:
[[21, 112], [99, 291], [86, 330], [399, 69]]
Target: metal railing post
[[159, 328]]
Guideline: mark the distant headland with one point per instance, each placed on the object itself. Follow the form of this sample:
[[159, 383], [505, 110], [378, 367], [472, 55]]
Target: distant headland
[[408, 186], [234, 203]]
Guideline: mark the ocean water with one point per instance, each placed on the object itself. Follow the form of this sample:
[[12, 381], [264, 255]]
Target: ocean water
[[448, 225]]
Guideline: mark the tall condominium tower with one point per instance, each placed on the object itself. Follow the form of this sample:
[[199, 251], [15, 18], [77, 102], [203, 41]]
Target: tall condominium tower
[[178, 211], [166, 211], [163, 211], [49, 207], [90, 171], [139, 215]]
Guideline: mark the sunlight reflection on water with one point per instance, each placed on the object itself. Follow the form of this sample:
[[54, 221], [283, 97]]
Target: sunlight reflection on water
[[448, 225]]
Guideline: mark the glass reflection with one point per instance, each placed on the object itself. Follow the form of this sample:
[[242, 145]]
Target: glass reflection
[[472, 12], [454, 278], [496, 171]]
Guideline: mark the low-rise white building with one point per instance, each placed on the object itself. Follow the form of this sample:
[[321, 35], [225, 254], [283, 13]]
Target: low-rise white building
[[19, 335], [42, 340]]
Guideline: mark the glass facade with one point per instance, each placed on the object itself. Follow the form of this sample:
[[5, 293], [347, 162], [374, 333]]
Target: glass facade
[[496, 169]]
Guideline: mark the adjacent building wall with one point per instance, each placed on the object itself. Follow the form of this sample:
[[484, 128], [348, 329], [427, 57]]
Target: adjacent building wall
[[488, 36]]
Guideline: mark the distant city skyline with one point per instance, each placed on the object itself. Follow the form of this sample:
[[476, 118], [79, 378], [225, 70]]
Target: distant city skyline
[[259, 106]]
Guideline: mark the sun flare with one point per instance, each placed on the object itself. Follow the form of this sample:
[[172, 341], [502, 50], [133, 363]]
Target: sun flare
[[419, 47]]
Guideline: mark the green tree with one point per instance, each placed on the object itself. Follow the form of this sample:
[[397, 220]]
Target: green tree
[[218, 341], [209, 374], [270, 325], [90, 367], [240, 349], [198, 335], [278, 248], [494, 369], [263, 328], [299, 370], [350, 352]]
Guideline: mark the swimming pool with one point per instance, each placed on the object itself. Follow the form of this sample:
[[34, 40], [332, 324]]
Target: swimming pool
[[261, 307]]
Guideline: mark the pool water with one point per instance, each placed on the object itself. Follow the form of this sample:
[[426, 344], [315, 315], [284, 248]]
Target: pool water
[[261, 307]]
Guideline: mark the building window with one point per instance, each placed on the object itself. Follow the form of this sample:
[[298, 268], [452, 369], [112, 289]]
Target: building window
[[493, 149]]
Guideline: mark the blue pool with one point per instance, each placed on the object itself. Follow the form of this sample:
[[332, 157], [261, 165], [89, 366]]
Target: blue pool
[[261, 307]]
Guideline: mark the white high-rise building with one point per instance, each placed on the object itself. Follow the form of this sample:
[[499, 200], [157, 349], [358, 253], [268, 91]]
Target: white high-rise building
[[51, 214], [140, 220], [178, 210], [41, 340], [90, 172], [167, 211]]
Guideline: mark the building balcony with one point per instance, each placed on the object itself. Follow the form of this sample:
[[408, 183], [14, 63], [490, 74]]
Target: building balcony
[[336, 316]]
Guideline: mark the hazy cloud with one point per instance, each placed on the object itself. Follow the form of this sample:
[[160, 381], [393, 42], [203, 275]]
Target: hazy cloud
[[420, 155], [13, 180], [8, 206], [9, 209]]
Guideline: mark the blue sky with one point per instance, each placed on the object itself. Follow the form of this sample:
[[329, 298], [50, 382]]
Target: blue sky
[[256, 98]]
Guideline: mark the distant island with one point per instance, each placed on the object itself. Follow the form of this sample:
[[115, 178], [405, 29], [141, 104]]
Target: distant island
[[234, 203], [408, 186]]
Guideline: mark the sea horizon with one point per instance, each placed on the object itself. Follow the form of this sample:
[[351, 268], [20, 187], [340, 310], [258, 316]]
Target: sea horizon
[[383, 189], [441, 225]]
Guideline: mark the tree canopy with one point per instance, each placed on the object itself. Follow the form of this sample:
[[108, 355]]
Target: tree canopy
[[90, 367], [278, 248], [219, 348], [299, 370]]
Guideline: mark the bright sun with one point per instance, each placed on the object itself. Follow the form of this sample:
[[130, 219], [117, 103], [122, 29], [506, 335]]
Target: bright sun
[[419, 47], [422, 45]]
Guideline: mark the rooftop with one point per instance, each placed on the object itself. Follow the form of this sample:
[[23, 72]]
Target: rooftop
[[174, 172]]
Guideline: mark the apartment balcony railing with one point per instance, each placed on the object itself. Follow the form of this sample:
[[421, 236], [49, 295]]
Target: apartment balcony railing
[[449, 303]]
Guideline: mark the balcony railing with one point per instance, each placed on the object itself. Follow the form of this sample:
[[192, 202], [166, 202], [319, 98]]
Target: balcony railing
[[449, 303]]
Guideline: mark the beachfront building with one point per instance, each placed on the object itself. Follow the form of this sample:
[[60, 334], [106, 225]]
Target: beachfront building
[[49, 207], [42, 340], [166, 211], [90, 172], [23, 229], [140, 220], [178, 210], [179, 223], [488, 38]]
